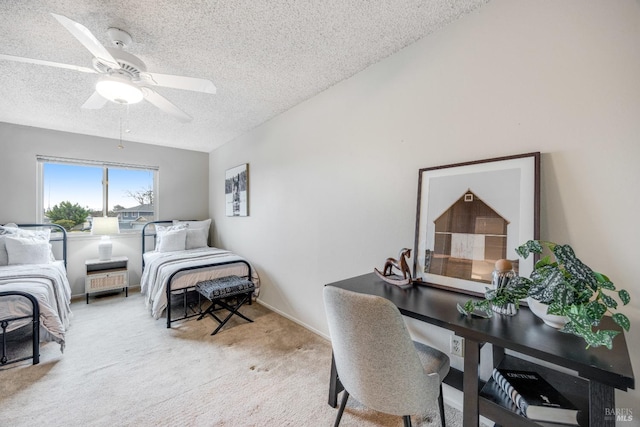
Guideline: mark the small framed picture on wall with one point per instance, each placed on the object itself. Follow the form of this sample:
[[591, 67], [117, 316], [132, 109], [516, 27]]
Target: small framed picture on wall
[[236, 191]]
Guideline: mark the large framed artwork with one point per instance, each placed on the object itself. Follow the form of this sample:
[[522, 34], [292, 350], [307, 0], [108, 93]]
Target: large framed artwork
[[471, 214], [236, 191]]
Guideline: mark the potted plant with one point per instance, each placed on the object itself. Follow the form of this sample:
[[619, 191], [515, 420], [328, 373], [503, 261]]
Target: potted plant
[[572, 289], [569, 288]]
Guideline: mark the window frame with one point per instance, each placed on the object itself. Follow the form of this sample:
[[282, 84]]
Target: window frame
[[41, 160]]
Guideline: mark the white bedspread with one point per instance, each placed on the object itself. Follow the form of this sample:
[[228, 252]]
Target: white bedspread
[[159, 266], [49, 284]]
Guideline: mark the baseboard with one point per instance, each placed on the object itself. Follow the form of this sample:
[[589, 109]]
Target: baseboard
[[293, 319], [452, 396]]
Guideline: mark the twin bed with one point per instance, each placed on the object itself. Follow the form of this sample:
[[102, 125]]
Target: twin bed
[[35, 292], [34, 289], [175, 257]]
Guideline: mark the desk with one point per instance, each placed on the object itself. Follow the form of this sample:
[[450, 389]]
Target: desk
[[600, 370]]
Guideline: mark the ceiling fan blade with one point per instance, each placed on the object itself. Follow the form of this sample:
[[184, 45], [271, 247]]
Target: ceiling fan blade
[[48, 63], [88, 40], [179, 82], [95, 102], [165, 105]]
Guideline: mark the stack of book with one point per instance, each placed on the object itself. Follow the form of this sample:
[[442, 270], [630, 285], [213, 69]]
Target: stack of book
[[528, 394]]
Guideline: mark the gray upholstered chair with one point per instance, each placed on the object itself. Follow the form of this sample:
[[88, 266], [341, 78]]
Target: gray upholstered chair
[[376, 359]]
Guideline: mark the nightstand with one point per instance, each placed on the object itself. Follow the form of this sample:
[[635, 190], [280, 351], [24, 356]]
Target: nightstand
[[107, 275]]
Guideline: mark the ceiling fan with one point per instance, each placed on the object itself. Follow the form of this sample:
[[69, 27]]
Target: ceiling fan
[[124, 78]]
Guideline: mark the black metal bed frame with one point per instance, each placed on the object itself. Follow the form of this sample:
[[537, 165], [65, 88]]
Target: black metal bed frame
[[35, 314], [184, 291], [35, 324]]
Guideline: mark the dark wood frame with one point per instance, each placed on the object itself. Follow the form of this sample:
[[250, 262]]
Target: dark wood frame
[[458, 171]]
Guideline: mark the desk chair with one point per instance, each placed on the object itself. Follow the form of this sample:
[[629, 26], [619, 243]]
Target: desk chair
[[376, 360]]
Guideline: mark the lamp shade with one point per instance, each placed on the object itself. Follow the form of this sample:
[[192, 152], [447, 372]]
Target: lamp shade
[[104, 225], [119, 89]]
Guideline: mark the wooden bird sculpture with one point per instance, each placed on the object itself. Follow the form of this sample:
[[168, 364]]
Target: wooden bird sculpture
[[401, 264]]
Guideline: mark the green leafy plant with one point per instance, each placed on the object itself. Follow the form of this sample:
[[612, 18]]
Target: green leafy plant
[[572, 289], [66, 223], [515, 290], [67, 211]]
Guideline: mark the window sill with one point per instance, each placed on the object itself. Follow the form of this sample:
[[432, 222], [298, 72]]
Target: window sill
[[88, 236]]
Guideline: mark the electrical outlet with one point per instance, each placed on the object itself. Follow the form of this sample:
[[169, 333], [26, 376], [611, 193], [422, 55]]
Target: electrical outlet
[[457, 346]]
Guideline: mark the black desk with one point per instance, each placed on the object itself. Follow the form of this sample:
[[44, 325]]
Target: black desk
[[600, 370]]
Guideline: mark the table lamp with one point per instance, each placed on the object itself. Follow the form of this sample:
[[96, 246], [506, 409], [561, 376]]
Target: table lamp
[[105, 226]]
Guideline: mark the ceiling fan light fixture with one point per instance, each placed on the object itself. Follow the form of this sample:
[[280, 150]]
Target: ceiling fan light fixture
[[119, 90]]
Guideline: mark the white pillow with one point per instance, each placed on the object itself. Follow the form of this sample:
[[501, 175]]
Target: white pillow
[[9, 228], [27, 250], [171, 240], [194, 224], [4, 258], [196, 239], [13, 230], [162, 229], [44, 234], [197, 233], [4, 230]]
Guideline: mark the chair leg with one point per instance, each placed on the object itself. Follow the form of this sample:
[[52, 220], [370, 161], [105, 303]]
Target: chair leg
[[441, 407], [343, 403], [407, 420]]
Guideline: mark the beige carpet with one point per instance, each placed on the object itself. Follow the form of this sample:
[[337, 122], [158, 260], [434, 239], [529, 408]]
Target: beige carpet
[[123, 368]]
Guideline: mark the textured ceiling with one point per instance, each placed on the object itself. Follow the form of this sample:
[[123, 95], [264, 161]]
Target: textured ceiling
[[264, 56]]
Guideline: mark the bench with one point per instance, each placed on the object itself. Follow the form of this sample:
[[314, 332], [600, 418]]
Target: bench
[[220, 291]]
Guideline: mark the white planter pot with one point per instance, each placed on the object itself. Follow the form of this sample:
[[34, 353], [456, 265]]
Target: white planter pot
[[540, 309]]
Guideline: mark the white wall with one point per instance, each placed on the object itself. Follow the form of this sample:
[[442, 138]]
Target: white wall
[[182, 176], [333, 181]]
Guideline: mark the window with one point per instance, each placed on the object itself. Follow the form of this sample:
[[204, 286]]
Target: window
[[72, 192]]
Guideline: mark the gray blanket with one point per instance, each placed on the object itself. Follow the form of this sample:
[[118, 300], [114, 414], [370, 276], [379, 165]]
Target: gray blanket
[[49, 284]]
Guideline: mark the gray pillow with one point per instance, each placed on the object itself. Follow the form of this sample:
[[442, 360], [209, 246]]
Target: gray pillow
[[27, 250]]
